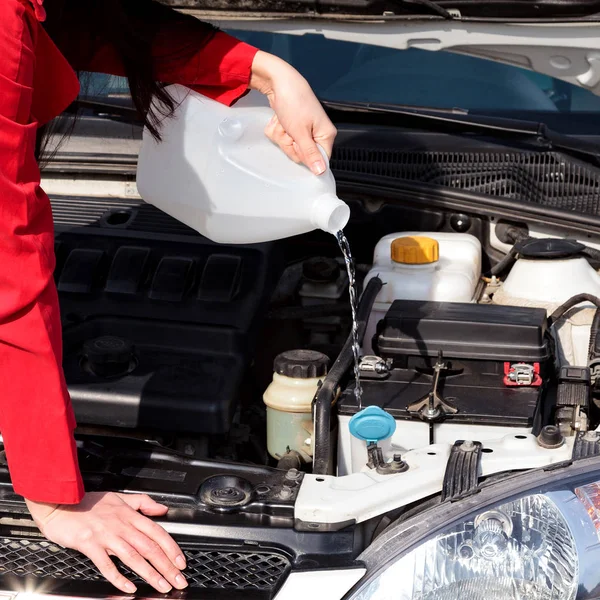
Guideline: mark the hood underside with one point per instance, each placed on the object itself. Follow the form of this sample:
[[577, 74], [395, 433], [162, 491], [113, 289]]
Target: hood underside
[[448, 9], [569, 51]]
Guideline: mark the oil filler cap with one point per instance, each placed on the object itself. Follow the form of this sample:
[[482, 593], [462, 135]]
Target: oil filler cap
[[415, 250], [372, 425]]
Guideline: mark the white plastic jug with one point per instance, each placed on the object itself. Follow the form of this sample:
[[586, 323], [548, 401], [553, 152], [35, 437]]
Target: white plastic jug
[[216, 171]]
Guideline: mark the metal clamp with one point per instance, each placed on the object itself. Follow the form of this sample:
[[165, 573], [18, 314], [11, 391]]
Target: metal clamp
[[374, 367], [522, 375], [433, 406]]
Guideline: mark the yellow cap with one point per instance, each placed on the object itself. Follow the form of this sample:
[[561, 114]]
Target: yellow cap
[[415, 250]]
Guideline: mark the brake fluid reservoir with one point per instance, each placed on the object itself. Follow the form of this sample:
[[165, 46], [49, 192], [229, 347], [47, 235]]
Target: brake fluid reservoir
[[289, 397], [435, 266]]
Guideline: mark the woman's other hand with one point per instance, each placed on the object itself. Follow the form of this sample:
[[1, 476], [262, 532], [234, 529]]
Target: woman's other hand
[[300, 123], [106, 524]]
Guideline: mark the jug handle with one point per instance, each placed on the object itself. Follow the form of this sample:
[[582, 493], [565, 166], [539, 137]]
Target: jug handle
[[324, 155]]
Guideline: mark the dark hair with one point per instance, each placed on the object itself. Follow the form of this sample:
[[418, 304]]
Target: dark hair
[[131, 27]]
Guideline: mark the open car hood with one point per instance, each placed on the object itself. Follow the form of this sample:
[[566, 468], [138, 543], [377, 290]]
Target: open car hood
[[567, 51], [470, 9], [560, 39]]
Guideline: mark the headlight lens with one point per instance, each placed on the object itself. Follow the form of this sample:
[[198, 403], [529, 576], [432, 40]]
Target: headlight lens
[[534, 536], [521, 549]]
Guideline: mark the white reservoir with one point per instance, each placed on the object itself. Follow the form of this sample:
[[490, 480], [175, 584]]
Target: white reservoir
[[428, 266], [548, 283]]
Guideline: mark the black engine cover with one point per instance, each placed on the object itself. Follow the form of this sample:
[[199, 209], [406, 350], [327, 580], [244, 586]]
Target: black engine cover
[[158, 329]]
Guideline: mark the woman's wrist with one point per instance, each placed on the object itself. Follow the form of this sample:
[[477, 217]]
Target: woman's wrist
[[261, 76], [268, 71], [40, 511]]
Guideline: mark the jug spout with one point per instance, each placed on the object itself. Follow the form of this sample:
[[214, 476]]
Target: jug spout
[[330, 214]]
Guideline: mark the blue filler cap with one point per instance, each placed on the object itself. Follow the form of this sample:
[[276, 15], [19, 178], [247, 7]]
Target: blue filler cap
[[372, 425]]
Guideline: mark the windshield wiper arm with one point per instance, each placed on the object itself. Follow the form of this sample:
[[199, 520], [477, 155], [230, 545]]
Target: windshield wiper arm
[[432, 6], [111, 109], [457, 120]]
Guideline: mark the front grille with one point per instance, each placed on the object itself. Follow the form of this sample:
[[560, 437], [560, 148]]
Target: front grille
[[546, 178], [208, 568]]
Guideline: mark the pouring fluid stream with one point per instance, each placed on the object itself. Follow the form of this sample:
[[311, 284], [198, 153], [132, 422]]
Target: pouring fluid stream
[[345, 248]]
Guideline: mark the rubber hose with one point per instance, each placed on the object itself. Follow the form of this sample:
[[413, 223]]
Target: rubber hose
[[325, 395], [594, 336], [562, 310], [504, 264], [592, 253]]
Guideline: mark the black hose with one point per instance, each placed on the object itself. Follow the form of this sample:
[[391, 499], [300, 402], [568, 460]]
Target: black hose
[[563, 309], [504, 264], [326, 393], [515, 235], [593, 257], [592, 352]]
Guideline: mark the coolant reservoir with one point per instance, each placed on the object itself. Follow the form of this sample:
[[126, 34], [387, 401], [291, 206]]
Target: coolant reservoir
[[216, 171], [289, 397], [547, 273], [444, 267]]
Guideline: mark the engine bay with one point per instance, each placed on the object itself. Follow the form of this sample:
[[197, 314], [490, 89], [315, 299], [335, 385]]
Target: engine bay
[[173, 339]]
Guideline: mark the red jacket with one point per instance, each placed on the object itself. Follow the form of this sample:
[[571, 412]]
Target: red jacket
[[36, 84]]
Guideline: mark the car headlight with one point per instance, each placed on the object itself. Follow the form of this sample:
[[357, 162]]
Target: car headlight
[[530, 537]]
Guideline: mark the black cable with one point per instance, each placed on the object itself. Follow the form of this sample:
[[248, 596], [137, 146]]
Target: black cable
[[504, 264], [592, 353], [563, 309], [325, 395], [515, 235]]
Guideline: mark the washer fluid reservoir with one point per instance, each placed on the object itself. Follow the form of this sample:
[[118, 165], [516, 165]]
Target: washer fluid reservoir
[[429, 266]]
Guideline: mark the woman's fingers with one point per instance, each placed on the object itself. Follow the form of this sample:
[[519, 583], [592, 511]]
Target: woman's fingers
[[144, 504], [99, 556], [154, 532], [105, 524], [310, 153], [150, 549], [277, 134], [130, 557]]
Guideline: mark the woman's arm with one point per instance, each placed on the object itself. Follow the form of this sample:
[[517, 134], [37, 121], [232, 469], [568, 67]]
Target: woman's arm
[[190, 52], [184, 50], [36, 418]]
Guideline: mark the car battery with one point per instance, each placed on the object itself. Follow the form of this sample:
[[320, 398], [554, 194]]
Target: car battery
[[476, 364]]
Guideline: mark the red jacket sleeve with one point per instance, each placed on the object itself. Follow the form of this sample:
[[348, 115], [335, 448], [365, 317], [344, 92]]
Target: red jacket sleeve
[[184, 51], [36, 418]]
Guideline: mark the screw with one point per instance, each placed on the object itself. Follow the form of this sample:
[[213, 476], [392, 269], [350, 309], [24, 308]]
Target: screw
[[398, 465], [468, 445], [381, 368], [292, 474], [189, 450], [591, 436], [285, 493]]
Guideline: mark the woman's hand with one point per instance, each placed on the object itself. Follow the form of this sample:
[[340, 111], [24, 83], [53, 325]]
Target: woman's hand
[[300, 123], [106, 524]]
